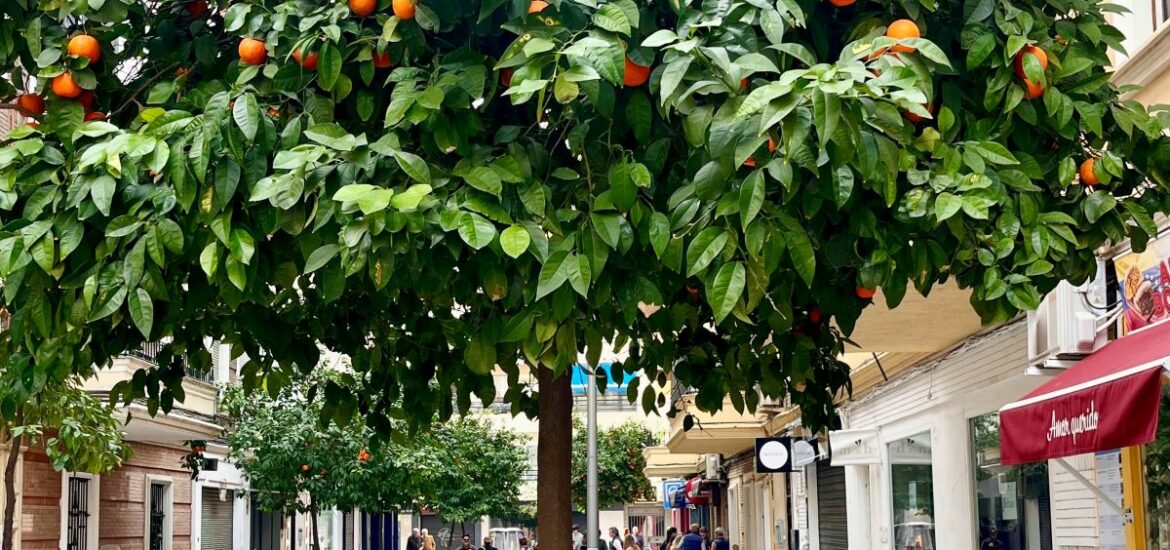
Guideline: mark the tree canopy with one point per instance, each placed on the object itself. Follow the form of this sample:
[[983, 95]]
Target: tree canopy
[[621, 466], [440, 188]]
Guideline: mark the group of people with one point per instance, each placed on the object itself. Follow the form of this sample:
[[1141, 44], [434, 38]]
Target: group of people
[[422, 540], [697, 538]]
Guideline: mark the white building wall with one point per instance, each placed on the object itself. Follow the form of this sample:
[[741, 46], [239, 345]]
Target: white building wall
[[1074, 507]]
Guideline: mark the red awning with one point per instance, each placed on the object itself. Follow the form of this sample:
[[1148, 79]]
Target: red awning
[[1108, 400]]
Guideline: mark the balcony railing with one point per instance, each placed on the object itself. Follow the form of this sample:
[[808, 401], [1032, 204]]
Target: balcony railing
[[150, 352]]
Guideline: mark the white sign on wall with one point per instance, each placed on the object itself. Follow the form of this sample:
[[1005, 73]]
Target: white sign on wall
[[854, 447]]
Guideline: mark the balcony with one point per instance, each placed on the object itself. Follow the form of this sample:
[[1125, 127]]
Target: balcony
[[201, 395]]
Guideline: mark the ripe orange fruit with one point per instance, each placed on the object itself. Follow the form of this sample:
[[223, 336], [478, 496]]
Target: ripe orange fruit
[[307, 61], [252, 51], [636, 75], [771, 146], [1040, 55], [506, 77], [537, 6], [304, 467], [363, 8], [1086, 172], [181, 71], [865, 293], [33, 124], [743, 84], [84, 45], [90, 117], [1033, 90], [382, 60], [750, 162], [64, 86], [198, 8], [31, 105], [916, 118], [842, 3], [86, 100], [815, 315], [274, 112], [404, 9], [901, 30]]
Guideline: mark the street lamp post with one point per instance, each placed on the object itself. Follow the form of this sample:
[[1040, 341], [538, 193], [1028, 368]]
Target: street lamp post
[[591, 467]]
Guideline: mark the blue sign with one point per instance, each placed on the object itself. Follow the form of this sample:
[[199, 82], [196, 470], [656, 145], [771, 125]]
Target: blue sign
[[581, 378], [674, 494]]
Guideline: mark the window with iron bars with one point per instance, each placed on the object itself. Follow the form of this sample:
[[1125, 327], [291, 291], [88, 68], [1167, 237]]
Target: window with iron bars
[[77, 528], [158, 516]]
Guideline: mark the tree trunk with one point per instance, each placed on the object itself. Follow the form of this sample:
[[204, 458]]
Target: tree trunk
[[313, 532], [554, 454], [14, 444]]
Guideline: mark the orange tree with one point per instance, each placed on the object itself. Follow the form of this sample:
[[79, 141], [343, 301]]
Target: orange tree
[[442, 188]]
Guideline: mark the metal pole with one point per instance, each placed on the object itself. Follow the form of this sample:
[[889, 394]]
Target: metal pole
[[591, 532]]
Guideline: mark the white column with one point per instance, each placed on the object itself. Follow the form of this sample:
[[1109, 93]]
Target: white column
[[954, 514], [857, 506]]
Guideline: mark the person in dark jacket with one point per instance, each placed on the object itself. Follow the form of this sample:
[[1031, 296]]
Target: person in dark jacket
[[721, 542], [415, 541], [487, 544], [692, 540]]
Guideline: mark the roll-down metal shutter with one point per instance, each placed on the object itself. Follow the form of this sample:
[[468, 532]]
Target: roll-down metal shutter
[[832, 521], [216, 525]]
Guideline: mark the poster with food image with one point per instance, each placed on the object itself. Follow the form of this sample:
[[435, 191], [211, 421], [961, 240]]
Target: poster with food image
[[1145, 285]]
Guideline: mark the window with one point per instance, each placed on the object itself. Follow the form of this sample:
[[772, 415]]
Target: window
[[1012, 503], [159, 509], [79, 511], [912, 487]]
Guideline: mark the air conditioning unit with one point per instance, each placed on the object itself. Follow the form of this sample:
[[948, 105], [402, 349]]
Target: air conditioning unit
[[712, 467], [1064, 327]]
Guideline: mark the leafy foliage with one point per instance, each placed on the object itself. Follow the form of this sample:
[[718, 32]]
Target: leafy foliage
[[501, 195], [620, 464], [463, 469]]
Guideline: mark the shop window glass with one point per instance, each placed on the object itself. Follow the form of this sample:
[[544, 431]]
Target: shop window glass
[[1012, 503], [913, 492]]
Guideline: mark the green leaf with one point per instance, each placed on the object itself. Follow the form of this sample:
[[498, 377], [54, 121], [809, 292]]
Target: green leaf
[[800, 249], [1098, 204], [485, 179], [659, 232], [102, 192], [726, 289], [318, 258], [142, 311], [608, 227], [707, 246], [612, 18], [328, 66], [122, 226], [480, 356], [414, 166], [243, 246], [751, 197], [475, 230], [996, 153], [209, 260], [409, 199], [553, 274], [515, 240], [947, 205], [578, 272], [332, 135], [246, 113], [826, 114]]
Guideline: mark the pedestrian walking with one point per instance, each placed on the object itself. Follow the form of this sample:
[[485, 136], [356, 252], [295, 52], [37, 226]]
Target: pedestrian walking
[[466, 543], [615, 539], [428, 540], [638, 538], [668, 542], [721, 542], [578, 538], [630, 543], [415, 541], [692, 540], [524, 543], [487, 544]]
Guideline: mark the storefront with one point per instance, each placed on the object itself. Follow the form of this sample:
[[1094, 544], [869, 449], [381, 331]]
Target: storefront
[[900, 491]]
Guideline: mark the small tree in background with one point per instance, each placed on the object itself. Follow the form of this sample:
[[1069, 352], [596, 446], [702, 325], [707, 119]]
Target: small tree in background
[[77, 432], [620, 464], [296, 462]]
